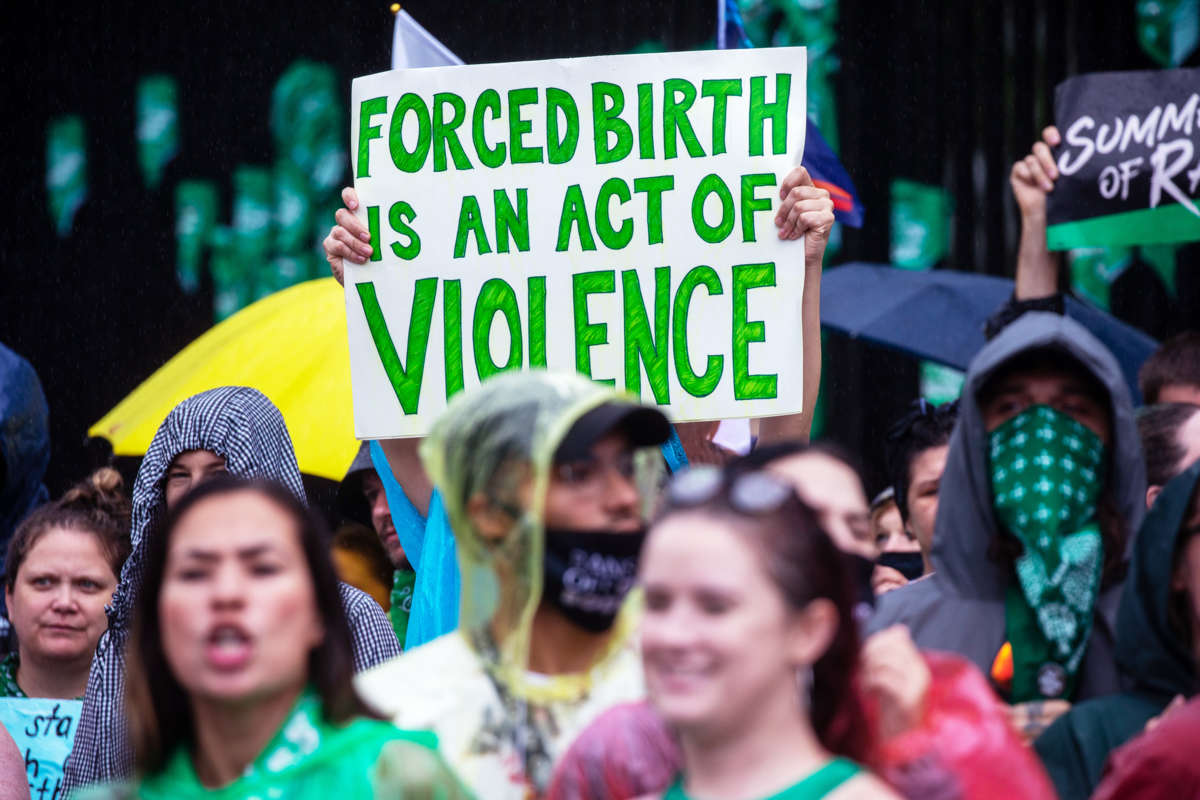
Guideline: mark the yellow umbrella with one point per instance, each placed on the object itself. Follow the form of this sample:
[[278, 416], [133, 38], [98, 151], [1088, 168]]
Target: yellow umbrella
[[291, 346]]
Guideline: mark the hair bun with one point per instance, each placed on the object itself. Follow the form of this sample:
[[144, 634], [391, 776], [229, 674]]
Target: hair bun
[[102, 492]]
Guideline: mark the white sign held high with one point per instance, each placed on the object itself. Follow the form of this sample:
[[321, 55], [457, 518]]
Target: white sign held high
[[612, 215]]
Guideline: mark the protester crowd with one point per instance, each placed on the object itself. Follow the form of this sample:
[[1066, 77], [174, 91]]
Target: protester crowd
[[560, 594]]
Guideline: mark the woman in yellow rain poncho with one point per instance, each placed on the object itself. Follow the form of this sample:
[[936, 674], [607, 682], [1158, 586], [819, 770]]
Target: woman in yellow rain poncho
[[547, 480]]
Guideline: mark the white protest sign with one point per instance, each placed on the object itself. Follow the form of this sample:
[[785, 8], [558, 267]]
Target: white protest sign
[[44, 730], [611, 215]]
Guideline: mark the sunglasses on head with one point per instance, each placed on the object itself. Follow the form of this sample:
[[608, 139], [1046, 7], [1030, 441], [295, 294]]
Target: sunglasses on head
[[750, 493]]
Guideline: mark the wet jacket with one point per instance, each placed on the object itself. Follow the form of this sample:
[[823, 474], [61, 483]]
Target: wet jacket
[[24, 443], [247, 430], [1150, 652], [960, 608]]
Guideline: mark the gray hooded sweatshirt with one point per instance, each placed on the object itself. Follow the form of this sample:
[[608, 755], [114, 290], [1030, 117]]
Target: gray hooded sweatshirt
[[960, 607]]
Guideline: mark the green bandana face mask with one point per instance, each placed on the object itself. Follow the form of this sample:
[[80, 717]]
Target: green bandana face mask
[[402, 596], [1046, 474]]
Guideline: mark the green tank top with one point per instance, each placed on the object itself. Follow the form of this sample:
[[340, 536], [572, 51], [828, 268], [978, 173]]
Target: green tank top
[[812, 787]]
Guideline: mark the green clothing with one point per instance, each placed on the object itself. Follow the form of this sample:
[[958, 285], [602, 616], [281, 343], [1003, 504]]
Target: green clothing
[[402, 597], [1151, 653], [8, 676], [307, 758], [961, 606], [1045, 469], [812, 787]]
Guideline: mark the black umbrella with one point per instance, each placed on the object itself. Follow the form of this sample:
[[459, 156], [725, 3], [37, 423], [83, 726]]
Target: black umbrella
[[939, 314]]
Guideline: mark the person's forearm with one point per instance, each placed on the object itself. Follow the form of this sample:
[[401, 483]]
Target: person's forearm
[[1037, 267], [792, 427], [405, 461]]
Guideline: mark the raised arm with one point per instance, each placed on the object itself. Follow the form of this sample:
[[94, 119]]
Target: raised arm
[[1032, 178], [805, 211]]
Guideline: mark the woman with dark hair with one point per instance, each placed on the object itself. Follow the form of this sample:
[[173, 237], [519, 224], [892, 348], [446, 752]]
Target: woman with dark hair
[[753, 664], [240, 660], [60, 572]]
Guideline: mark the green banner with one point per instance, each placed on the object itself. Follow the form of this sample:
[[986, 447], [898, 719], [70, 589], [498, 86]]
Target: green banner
[[157, 126], [939, 383], [195, 219], [1168, 30], [1166, 224], [920, 224], [308, 123], [66, 170]]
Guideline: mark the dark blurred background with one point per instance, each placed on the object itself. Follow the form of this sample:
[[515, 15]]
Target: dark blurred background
[[927, 103]]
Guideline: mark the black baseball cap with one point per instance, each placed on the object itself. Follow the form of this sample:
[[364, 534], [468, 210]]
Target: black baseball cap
[[643, 425]]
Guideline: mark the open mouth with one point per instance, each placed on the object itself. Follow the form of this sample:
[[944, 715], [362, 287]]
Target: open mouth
[[228, 647]]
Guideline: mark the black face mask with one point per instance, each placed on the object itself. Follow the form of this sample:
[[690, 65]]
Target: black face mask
[[910, 565], [861, 569], [586, 574]]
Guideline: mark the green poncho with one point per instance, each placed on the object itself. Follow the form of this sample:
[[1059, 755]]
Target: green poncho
[[311, 759]]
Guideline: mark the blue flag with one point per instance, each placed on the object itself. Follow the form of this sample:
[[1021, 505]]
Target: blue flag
[[829, 174], [731, 35]]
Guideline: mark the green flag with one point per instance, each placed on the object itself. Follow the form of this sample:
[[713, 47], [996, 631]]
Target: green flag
[[1168, 30], [920, 224], [66, 170], [157, 126], [195, 219]]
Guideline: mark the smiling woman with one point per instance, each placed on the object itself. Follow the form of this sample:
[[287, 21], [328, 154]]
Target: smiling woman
[[61, 570], [754, 664]]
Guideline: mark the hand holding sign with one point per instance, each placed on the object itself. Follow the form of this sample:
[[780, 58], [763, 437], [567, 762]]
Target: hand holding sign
[[805, 210], [349, 238]]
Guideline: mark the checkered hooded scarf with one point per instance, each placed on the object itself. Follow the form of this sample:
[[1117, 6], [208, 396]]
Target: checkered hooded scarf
[[237, 423]]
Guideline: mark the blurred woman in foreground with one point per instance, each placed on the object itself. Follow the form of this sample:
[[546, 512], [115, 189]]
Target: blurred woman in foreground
[[240, 664], [938, 729], [753, 665]]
